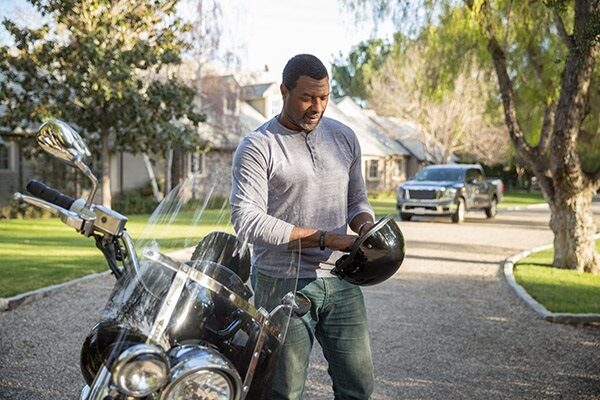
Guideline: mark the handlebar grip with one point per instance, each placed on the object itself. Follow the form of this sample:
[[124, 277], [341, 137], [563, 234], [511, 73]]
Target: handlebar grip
[[45, 192]]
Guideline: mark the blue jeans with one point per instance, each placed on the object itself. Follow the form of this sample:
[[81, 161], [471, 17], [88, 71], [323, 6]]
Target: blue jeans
[[338, 320]]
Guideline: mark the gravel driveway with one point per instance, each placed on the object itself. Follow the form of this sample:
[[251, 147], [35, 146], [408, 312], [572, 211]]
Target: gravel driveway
[[447, 326]]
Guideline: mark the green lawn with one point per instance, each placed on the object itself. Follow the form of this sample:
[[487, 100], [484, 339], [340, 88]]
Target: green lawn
[[515, 199], [384, 204], [559, 290], [36, 253], [40, 252]]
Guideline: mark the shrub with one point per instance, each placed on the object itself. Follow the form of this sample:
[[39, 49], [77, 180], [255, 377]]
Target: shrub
[[17, 210], [131, 202]]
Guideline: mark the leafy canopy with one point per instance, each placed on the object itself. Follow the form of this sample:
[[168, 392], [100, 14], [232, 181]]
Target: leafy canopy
[[531, 34], [103, 66]]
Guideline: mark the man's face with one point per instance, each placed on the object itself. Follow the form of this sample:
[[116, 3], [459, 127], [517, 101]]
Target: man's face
[[304, 105]]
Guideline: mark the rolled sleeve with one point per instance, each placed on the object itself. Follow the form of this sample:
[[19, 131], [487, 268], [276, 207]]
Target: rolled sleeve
[[249, 196]]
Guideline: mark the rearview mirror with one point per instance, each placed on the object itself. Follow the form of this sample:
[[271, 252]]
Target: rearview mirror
[[62, 142]]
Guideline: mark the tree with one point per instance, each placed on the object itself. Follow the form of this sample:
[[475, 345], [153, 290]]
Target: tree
[[544, 55], [102, 65], [457, 117], [351, 77]]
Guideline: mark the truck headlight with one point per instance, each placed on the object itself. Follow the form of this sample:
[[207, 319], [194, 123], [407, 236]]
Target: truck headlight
[[140, 370], [447, 193], [200, 373], [400, 193]]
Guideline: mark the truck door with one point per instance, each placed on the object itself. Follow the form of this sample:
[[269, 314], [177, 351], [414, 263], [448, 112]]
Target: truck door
[[476, 188], [470, 189], [483, 196]]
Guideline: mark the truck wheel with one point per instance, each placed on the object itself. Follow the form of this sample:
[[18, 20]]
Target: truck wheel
[[459, 215], [491, 211], [405, 217]]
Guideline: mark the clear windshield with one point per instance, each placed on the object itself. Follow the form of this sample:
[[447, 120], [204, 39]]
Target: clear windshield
[[191, 285], [439, 174]]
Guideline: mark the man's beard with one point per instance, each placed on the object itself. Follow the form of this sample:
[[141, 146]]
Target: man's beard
[[309, 126]]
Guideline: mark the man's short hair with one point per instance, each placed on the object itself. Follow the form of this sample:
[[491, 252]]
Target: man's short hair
[[303, 64]]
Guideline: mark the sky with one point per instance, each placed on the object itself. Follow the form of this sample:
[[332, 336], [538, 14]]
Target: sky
[[269, 32]]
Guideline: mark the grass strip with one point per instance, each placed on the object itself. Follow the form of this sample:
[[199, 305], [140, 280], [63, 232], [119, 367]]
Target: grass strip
[[385, 204], [516, 199], [36, 253], [559, 290]]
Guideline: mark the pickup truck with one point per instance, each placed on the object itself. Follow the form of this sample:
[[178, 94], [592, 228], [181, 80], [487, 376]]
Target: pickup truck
[[449, 190]]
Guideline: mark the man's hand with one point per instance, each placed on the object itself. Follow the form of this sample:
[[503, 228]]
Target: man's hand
[[365, 227], [311, 238], [339, 242], [362, 223]]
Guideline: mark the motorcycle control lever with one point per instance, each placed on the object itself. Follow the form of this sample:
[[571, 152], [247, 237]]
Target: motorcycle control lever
[[73, 212], [68, 217]]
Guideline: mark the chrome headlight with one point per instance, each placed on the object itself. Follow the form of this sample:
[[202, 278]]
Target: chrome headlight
[[447, 193], [140, 370], [201, 373], [201, 385]]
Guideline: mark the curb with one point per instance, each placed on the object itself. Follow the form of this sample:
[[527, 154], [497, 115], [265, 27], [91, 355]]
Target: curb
[[538, 206], [10, 303], [561, 318]]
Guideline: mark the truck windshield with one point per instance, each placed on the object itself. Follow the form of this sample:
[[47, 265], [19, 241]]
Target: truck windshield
[[439, 174]]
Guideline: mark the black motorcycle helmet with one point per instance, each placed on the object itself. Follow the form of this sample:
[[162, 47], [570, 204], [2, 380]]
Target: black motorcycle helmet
[[375, 256]]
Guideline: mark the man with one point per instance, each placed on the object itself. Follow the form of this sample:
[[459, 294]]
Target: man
[[297, 182]]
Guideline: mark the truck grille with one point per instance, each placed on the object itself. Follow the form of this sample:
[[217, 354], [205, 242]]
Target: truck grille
[[422, 194]]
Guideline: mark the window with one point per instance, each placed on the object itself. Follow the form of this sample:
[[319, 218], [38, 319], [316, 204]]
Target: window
[[5, 163], [373, 170], [197, 165], [399, 168], [474, 175]]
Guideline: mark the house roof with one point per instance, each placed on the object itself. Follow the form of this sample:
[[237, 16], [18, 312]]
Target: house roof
[[373, 139], [406, 132], [228, 134], [409, 134], [250, 92]]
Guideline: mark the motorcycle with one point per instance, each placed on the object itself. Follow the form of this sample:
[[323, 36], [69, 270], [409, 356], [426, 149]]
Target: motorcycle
[[181, 321]]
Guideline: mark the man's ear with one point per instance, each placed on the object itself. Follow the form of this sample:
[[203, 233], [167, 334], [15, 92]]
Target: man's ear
[[284, 90]]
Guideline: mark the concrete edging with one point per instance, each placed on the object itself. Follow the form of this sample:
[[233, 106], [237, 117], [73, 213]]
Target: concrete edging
[[10, 303], [537, 206], [562, 318]]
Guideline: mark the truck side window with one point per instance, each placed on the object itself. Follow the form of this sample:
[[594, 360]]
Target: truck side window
[[474, 175]]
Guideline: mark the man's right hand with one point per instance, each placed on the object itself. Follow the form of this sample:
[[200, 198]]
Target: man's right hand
[[335, 241], [311, 238]]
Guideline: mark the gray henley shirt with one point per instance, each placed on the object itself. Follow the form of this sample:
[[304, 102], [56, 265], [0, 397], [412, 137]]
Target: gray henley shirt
[[284, 178]]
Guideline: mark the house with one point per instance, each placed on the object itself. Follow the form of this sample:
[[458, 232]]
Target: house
[[422, 148], [10, 168], [384, 160], [392, 149]]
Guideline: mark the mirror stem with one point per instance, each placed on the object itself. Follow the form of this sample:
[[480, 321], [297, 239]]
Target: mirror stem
[[87, 172]]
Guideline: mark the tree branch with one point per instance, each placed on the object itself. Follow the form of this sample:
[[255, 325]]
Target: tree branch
[[508, 97], [573, 98], [547, 128], [562, 32], [536, 159], [535, 62]]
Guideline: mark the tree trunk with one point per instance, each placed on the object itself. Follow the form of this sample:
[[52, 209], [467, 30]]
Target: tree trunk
[[105, 158], [573, 226], [565, 186], [177, 173], [155, 192], [168, 170]]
